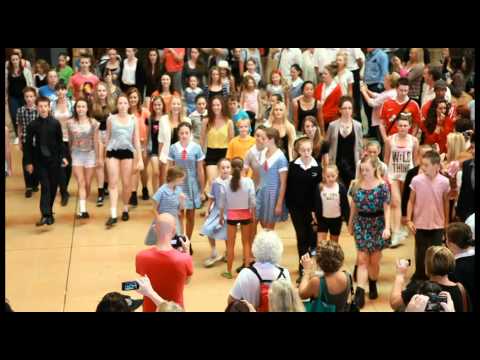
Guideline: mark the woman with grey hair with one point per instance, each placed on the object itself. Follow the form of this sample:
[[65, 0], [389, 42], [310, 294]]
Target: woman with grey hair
[[267, 249], [282, 297]]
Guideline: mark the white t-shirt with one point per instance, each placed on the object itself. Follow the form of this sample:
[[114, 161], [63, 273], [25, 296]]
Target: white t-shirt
[[288, 57], [324, 56], [247, 285], [353, 55], [344, 80], [331, 202], [128, 75]]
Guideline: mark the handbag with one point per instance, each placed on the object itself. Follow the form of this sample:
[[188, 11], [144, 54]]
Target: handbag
[[464, 297], [320, 304], [352, 305]]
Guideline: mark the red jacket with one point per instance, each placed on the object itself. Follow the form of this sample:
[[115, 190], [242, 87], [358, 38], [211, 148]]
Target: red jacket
[[330, 108]]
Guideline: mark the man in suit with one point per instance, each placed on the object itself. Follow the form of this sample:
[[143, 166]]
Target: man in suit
[[466, 199], [44, 149]]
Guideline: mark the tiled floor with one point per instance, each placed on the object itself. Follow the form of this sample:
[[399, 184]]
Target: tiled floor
[[72, 264]]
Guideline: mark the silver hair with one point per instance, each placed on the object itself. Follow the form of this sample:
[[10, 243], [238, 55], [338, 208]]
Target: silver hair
[[282, 297], [267, 247]]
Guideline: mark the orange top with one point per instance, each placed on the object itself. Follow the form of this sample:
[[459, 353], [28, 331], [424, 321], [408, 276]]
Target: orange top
[[166, 99], [142, 124], [171, 63]]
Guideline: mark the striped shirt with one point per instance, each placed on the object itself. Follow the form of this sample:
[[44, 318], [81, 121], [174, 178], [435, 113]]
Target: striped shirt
[[168, 200], [25, 116]]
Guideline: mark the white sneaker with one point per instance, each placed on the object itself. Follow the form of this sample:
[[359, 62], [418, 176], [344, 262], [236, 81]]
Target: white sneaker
[[396, 240], [15, 141], [212, 261]]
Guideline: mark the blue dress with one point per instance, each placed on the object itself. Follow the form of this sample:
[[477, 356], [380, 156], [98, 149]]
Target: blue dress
[[168, 201], [269, 188], [212, 222], [190, 96], [190, 186]]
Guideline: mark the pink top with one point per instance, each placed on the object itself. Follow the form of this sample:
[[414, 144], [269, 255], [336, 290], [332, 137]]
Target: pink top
[[251, 101], [428, 211], [78, 80]]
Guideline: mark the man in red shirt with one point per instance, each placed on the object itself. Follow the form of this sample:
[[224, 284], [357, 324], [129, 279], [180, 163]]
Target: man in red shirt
[[168, 269], [392, 108]]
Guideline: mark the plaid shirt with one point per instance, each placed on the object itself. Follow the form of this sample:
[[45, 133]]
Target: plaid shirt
[[24, 117]]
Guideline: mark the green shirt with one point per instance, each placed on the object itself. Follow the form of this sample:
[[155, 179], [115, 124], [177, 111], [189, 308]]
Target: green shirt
[[65, 75]]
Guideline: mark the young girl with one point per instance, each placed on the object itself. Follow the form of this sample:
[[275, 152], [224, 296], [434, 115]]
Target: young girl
[[189, 156], [191, 93], [156, 113], [141, 115], [344, 76], [212, 227], [277, 86], [278, 120], [370, 224], [311, 129], [250, 99], [112, 67], [252, 158], [400, 156], [166, 91], [123, 145], [273, 183], [197, 117], [83, 139], [329, 93], [132, 73], [438, 124], [227, 79], [102, 106], [153, 73], [168, 132], [251, 67], [168, 199], [238, 200], [41, 71], [294, 87], [331, 205]]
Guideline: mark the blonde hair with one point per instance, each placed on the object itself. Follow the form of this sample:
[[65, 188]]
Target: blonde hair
[[393, 78], [271, 118], [343, 54], [181, 116], [355, 185], [97, 109], [439, 260], [455, 146], [169, 306], [282, 297], [420, 57]]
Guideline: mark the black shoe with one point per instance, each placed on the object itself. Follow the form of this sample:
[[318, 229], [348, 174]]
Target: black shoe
[[133, 199], [110, 222], [105, 189], [100, 201], [35, 189], [360, 297], [125, 216], [191, 250], [145, 194], [84, 215], [372, 289], [43, 221], [50, 220], [355, 273], [65, 198], [28, 193]]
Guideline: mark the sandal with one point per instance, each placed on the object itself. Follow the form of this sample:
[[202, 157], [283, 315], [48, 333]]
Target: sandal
[[227, 275]]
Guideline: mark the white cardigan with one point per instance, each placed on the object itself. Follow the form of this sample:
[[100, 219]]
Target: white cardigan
[[165, 136]]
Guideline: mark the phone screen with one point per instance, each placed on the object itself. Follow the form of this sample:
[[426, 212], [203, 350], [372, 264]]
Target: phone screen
[[129, 285]]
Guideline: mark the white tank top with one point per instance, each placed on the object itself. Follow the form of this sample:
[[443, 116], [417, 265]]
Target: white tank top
[[401, 158]]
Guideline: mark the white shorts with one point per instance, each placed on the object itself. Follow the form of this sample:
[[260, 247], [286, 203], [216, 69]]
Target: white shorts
[[102, 135], [84, 158]]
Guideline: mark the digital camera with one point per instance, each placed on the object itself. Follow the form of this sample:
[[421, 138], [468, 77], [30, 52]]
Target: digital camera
[[434, 301], [176, 241]]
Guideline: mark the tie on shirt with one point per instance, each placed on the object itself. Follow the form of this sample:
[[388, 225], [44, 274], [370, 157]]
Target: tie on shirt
[[265, 165], [184, 154]]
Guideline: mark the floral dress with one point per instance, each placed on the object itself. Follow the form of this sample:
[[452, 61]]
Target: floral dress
[[369, 222]]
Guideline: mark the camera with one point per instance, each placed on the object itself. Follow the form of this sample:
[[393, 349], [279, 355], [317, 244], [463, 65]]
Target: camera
[[130, 285], [434, 301], [176, 241]]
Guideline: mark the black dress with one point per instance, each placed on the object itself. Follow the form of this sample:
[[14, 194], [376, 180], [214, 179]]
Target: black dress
[[304, 113], [346, 158], [284, 146]]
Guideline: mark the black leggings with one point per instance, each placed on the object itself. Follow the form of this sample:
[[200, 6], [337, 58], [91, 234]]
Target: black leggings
[[306, 238], [423, 240]]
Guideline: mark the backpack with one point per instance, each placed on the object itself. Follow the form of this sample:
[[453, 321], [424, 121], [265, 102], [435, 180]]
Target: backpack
[[264, 288]]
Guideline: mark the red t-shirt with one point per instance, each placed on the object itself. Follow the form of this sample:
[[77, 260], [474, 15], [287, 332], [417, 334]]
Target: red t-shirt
[[78, 80], [391, 108], [167, 270], [171, 63], [426, 107]]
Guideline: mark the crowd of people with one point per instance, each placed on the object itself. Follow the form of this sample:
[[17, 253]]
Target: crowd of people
[[254, 137]]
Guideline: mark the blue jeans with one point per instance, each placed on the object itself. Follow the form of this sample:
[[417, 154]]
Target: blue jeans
[[14, 103]]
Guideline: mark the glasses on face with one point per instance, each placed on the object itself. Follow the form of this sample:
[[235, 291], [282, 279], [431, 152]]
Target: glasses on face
[[346, 108]]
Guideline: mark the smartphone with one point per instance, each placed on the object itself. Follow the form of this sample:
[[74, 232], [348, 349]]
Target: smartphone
[[130, 285]]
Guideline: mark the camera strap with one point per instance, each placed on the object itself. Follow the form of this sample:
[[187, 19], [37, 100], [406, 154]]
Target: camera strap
[[398, 116]]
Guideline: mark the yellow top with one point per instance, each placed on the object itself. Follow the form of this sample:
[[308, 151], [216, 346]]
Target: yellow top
[[218, 138], [238, 147]]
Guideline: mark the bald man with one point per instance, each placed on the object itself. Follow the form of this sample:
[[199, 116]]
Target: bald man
[[169, 269]]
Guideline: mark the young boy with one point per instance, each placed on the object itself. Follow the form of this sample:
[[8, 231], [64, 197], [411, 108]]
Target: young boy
[[44, 154], [428, 209], [25, 115], [236, 113], [239, 145]]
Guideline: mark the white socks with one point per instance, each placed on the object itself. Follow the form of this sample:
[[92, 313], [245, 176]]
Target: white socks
[[83, 206], [214, 253], [113, 212]]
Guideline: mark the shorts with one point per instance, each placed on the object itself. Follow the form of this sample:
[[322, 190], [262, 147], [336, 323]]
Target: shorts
[[241, 222], [213, 156], [102, 136], [121, 154], [332, 226], [84, 159]]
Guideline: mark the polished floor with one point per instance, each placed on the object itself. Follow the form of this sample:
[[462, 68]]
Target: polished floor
[[69, 266]]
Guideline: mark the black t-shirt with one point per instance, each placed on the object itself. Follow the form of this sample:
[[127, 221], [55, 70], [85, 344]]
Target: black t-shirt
[[16, 84], [455, 293], [465, 274]]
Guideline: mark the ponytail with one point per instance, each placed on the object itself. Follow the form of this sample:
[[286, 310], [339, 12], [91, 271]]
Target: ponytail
[[237, 167]]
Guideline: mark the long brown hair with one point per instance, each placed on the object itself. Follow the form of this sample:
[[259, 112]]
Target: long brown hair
[[10, 65], [139, 105], [317, 138], [97, 108], [75, 113], [237, 167], [211, 115]]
